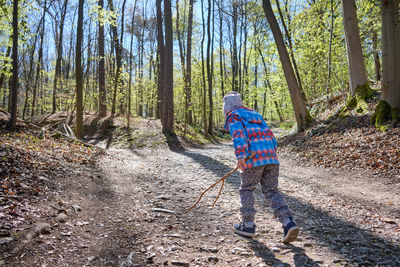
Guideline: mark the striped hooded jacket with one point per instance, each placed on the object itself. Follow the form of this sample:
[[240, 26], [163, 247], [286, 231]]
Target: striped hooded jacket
[[250, 133]]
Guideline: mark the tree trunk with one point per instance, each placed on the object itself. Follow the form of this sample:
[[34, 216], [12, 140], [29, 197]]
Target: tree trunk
[[59, 47], [122, 104], [235, 64], [209, 75], [291, 52], [327, 90], [376, 56], [160, 61], [118, 55], [130, 68], [355, 57], [188, 82], [168, 106], [204, 75], [3, 76], [14, 87], [302, 115], [79, 73], [391, 55], [221, 53], [102, 68]]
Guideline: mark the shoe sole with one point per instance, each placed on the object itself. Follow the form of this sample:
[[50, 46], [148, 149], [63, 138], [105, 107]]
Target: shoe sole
[[245, 233], [291, 235]]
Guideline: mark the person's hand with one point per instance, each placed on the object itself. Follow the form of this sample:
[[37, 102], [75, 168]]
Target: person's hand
[[241, 164]]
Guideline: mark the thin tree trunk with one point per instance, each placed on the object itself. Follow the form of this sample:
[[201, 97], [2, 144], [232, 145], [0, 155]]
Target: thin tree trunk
[[291, 52], [391, 56], [102, 68], [355, 56], [59, 55], [40, 60], [14, 87], [204, 75], [278, 111], [330, 56], [235, 67], [130, 68], [118, 55], [209, 75], [168, 106], [376, 56], [221, 51], [302, 115], [122, 104], [2, 78], [188, 82], [161, 61], [79, 73]]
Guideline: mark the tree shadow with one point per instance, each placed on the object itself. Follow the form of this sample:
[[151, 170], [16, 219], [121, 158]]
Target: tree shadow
[[344, 238]]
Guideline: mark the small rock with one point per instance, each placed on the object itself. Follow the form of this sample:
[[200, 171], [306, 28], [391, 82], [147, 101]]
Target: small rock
[[66, 233], [5, 240], [179, 263], [42, 228], [62, 217], [81, 223], [91, 258], [77, 208], [150, 258], [307, 245], [275, 249], [213, 259], [213, 250]]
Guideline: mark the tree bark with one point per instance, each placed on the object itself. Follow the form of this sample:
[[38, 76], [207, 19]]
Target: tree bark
[[14, 85], [168, 106], [130, 68], [391, 54], [118, 55], [59, 47], [355, 57], [204, 75], [209, 70], [2, 78], [102, 68], [376, 56], [122, 104], [188, 82], [79, 73], [235, 64], [160, 60], [327, 90], [221, 53], [291, 51], [302, 115]]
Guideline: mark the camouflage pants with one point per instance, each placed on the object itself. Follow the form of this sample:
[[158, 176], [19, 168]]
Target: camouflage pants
[[267, 176]]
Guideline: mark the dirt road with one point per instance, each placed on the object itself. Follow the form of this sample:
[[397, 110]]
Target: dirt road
[[134, 214]]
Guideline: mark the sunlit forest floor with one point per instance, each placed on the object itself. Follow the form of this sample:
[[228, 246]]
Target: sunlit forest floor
[[66, 204]]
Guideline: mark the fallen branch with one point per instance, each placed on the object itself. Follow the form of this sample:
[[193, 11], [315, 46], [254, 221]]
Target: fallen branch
[[71, 137], [222, 185]]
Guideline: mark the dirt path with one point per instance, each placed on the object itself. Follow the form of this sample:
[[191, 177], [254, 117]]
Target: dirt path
[[133, 214]]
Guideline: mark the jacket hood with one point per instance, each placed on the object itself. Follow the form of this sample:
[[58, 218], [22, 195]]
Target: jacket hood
[[246, 114]]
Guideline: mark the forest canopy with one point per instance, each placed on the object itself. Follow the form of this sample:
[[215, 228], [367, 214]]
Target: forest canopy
[[136, 55]]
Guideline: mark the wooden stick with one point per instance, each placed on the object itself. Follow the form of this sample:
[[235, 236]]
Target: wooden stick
[[223, 181]]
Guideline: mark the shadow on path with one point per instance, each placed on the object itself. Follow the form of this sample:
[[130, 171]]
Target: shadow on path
[[341, 237]]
